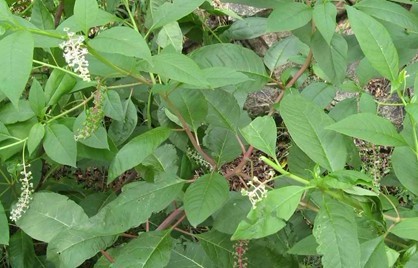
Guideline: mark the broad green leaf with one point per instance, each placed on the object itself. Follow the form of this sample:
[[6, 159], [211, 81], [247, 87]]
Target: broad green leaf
[[237, 58], [320, 93], [247, 28], [71, 247], [37, 99], [288, 16], [121, 40], [262, 134], [97, 139], [136, 150], [223, 109], [335, 231], [189, 255], [113, 107], [204, 197], [227, 219], [223, 76], [41, 17], [270, 214], [223, 143], [305, 246], [178, 67], [171, 34], [11, 114], [120, 131], [150, 249], [94, 202], [373, 253], [412, 261], [21, 250], [375, 42], [5, 13], [324, 15], [85, 14], [307, 124], [218, 247], [405, 164], [16, 51], [4, 132], [172, 11], [412, 110], [59, 145], [390, 12], [407, 229], [36, 134], [299, 163], [49, 214], [192, 106], [280, 52], [58, 84], [259, 3], [331, 58], [369, 127], [135, 205], [4, 227]]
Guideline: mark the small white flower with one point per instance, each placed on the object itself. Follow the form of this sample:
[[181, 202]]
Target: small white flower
[[25, 196], [75, 54], [256, 191]]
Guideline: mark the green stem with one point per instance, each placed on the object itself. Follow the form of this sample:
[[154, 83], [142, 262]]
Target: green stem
[[44, 33], [70, 110], [56, 67], [125, 85], [277, 167], [13, 144], [131, 17]]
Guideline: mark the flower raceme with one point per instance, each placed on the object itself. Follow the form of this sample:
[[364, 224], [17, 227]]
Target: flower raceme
[[25, 196], [75, 54]]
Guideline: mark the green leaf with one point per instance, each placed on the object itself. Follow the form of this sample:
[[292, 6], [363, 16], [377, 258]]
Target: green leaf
[[21, 250], [189, 255], [123, 40], [237, 58], [247, 28], [120, 131], [305, 246], [58, 84], [135, 205], [262, 134], [320, 93], [49, 214], [71, 247], [16, 51], [59, 145], [218, 247], [331, 58], [41, 17], [36, 134], [412, 110], [172, 11], [307, 124], [136, 150], [150, 249], [280, 52], [324, 15], [268, 216], [335, 231], [223, 144], [178, 67], [94, 202], [369, 127], [299, 163], [5, 12], [373, 253], [223, 76], [11, 114], [192, 106], [37, 99], [223, 109], [405, 164], [407, 229], [204, 197], [375, 42], [171, 34], [97, 139], [113, 106], [4, 227], [390, 12], [85, 14], [288, 16]]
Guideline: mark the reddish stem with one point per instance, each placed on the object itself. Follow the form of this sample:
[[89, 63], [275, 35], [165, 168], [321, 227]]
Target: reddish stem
[[107, 256], [170, 219]]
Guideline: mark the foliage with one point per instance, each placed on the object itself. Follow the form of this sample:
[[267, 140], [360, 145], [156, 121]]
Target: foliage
[[122, 146]]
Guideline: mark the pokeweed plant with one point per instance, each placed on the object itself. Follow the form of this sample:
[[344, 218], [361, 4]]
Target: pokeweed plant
[[110, 85]]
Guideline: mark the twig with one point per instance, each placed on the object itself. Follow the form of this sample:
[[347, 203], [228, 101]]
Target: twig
[[58, 13], [107, 256], [170, 219]]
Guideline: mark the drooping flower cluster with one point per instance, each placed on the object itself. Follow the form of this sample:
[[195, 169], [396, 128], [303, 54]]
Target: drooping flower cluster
[[94, 116], [75, 54], [240, 260], [196, 157], [25, 196], [256, 191]]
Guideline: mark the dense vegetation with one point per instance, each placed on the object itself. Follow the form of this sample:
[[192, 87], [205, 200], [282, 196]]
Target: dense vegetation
[[124, 141]]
